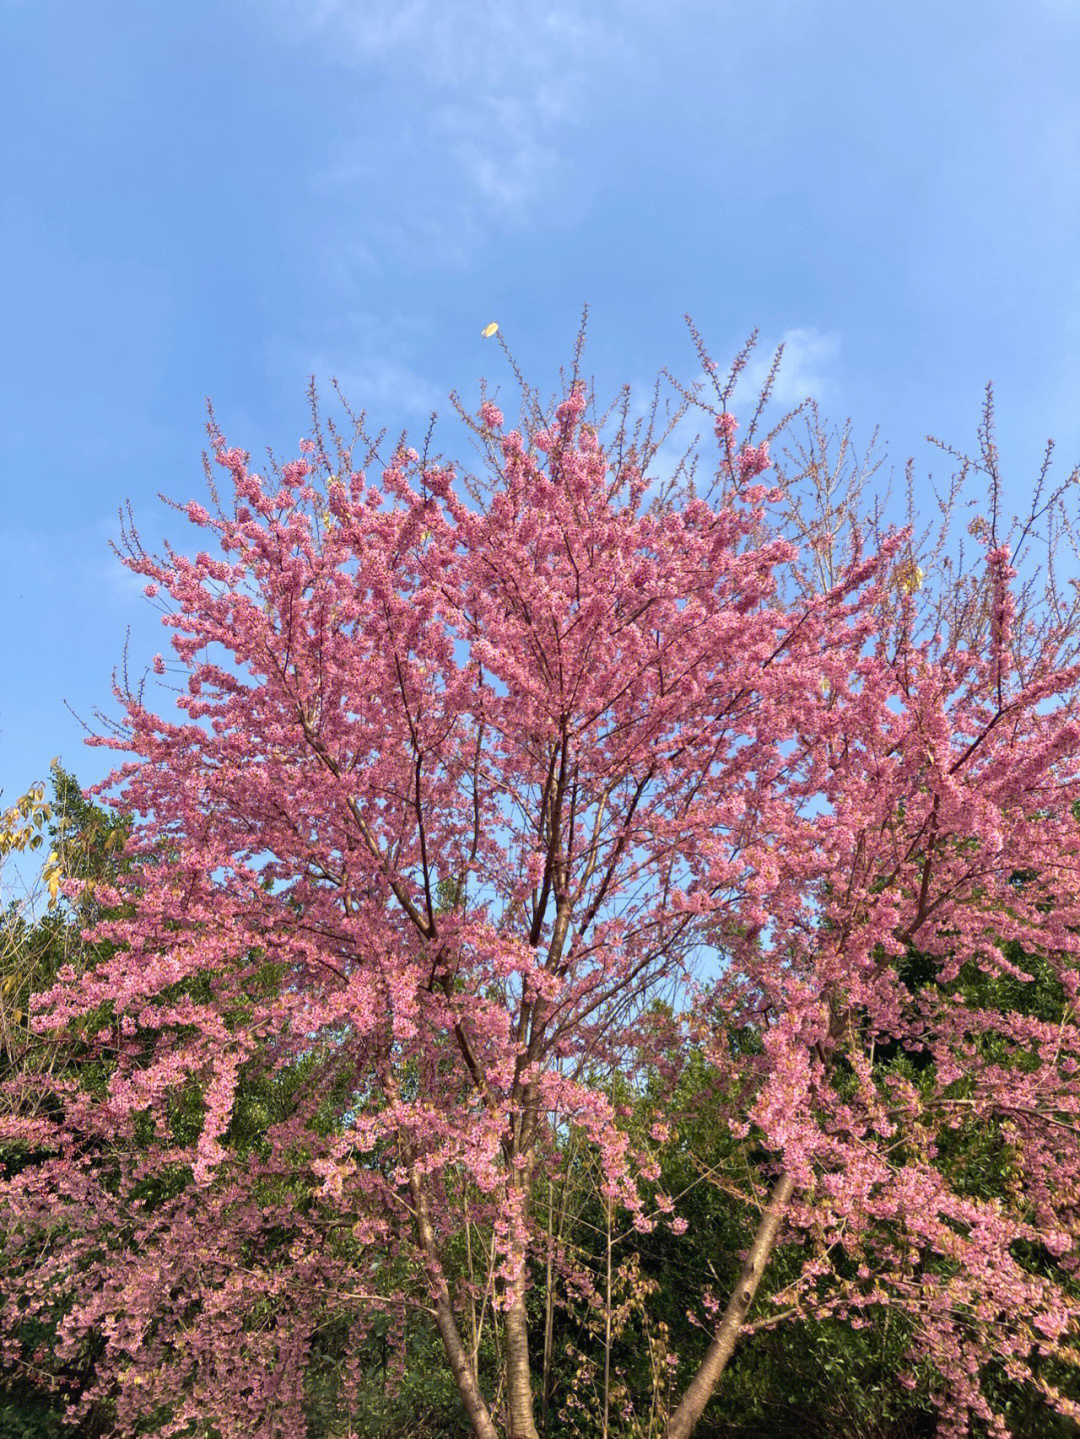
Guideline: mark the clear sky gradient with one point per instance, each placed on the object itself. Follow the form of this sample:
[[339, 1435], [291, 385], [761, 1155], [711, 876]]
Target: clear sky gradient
[[223, 199]]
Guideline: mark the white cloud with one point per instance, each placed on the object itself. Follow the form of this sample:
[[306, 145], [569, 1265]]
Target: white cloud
[[376, 383], [458, 43], [807, 367], [378, 374], [486, 102], [507, 172]]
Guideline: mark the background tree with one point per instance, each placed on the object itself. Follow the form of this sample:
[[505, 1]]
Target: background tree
[[40, 934]]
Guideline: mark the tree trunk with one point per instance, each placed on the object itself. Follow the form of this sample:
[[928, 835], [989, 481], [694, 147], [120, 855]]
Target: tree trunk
[[701, 1387], [518, 1374], [521, 1423]]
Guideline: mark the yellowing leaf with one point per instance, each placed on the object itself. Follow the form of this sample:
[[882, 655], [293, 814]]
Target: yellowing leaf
[[52, 876], [489, 330]]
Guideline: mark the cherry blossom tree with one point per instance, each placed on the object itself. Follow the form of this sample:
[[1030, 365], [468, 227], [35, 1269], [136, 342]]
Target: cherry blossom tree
[[892, 1023], [466, 774]]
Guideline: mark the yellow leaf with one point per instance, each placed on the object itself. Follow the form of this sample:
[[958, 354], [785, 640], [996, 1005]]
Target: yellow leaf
[[489, 330]]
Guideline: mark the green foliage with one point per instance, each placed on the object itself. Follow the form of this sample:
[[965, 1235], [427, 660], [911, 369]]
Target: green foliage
[[88, 846], [30, 1416], [812, 1379]]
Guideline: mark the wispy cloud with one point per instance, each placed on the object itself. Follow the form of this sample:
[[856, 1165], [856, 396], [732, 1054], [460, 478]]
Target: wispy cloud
[[508, 175], [487, 100], [379, 375], [808, 366], [378, 383], [459, 43]]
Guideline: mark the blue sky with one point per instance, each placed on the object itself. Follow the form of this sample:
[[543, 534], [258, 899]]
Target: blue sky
[[221, 200]]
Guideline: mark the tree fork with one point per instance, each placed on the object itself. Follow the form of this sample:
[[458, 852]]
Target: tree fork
[[700, 1389], [468, 1386]]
